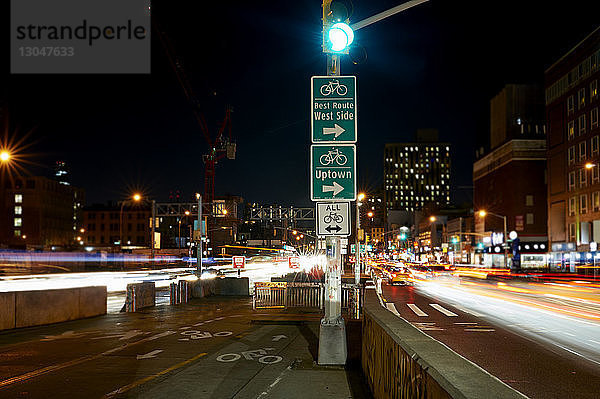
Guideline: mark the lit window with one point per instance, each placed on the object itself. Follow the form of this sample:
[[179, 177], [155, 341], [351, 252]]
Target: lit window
[[18, 198], [596, 201], [572, 206], [582, 178], [18, 222], [18, 210], [571, 130], [17, 233], [594, 90], [529, 218]]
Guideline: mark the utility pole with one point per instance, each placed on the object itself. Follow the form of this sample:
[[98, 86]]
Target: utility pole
[[153, 230], [199, 241]]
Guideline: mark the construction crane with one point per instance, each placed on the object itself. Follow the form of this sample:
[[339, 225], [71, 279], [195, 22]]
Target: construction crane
[[222, 145]]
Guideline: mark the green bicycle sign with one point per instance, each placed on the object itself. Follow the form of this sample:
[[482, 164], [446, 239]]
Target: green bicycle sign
[[333, 109], [333, 171]]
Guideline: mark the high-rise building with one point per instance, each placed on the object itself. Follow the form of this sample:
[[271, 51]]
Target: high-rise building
[[416, 174], [574, 150], [509, 180]]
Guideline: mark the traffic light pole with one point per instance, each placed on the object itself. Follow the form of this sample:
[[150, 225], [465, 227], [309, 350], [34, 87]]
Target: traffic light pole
[[332, 332]]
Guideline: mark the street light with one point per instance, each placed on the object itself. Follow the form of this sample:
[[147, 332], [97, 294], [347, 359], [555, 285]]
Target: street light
[[136, 197], [432, 219], [4, 156], [483, 213], [589, 165]]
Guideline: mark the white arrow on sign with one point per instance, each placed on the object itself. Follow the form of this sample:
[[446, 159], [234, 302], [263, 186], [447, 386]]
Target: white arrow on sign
[[336, 129], [149, 354], [336, 188], [278, 337]]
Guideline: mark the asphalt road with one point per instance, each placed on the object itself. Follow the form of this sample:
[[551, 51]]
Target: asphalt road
[[525, 361], [209, 348]]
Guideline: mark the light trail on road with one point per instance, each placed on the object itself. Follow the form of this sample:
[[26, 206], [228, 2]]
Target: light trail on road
[[564, 314]]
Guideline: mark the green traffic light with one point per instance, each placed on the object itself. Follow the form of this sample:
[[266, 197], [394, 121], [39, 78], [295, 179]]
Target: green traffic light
[[403, 236], [340, 36]]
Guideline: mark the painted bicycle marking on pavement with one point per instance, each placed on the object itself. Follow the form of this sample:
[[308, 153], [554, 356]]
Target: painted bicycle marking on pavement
[[259, 355]]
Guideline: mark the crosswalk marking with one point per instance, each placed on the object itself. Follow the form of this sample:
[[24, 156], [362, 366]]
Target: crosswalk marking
[[392, 308], [416, 309], [442, 309]]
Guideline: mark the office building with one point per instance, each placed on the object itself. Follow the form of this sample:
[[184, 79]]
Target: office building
[[417, 173]]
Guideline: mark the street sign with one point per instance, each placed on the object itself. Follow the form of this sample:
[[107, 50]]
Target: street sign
[[333, 109], [333, 219], [333, 172], [239, 262], [294, 262]]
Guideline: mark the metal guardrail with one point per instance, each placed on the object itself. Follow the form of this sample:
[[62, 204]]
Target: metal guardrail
[[282, 295]]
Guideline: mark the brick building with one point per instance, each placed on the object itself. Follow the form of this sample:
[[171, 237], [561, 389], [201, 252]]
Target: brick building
[[573, 148], [510, 178], [102, 225]]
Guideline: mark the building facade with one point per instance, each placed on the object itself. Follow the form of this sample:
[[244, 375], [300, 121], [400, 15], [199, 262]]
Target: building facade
[[416, 174], [572, 103], [38, 212], [509, 180], [105, 225]]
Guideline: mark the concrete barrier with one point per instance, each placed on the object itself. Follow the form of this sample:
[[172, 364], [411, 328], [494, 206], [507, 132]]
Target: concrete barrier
[[7, 310], [229, 286], [400, 361], [33, 308], [140, 295], [233, 286]]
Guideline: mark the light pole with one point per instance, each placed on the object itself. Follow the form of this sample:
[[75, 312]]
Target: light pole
[[482, 214], [359, 197], [134, 198]]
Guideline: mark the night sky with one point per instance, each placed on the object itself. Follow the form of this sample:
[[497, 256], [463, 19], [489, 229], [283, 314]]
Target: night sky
[[434, 66]]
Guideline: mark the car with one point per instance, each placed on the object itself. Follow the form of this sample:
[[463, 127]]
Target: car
[[399, 276]]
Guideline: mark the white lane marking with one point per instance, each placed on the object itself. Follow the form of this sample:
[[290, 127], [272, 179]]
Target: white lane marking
[[416, 309], [443, 310], [466, 323], [392, 308], [480, 329], [149, 355], [595, 342]]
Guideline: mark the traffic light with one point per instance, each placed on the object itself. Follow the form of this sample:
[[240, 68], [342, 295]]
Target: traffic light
[[454, 240], [337, 34], [402, 236]]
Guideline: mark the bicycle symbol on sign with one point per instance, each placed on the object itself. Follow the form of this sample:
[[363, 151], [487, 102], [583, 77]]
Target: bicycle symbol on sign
[[333, 217], [333, 156], [334, 87]]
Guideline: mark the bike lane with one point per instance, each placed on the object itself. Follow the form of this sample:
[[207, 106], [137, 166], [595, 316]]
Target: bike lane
[[208, 348]]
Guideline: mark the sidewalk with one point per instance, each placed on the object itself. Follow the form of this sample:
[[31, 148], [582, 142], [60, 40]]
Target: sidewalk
[[207, 348]]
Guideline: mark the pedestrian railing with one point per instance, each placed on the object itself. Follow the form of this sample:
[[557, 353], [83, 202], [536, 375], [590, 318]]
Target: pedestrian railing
[[283, 295]]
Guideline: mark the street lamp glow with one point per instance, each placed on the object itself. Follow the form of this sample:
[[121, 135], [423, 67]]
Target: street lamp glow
[[137, 197], [370, 214], [361, 196], [341, 36], [482, 213], [589, 165], [432, 219], [187, 213], [4, 156]]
